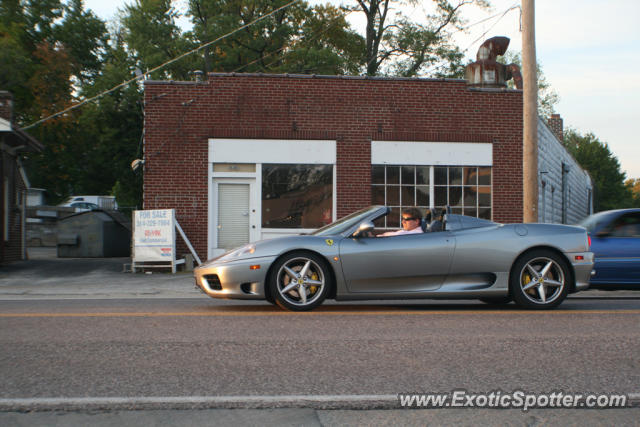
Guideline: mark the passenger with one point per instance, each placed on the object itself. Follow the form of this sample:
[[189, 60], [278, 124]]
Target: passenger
[[410, 223]]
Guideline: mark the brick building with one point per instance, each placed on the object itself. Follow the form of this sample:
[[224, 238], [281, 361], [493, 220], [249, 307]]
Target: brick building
[[13, 141], [245, 156]]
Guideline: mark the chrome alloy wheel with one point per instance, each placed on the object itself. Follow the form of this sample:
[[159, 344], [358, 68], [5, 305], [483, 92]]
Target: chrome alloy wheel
[[300, 281], [542, 280]]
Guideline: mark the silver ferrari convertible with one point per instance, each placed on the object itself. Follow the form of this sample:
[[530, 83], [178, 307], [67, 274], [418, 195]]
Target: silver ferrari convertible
[[461, 257]]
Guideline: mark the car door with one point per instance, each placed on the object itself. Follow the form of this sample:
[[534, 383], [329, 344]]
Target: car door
[[617, 251], [405, 263]]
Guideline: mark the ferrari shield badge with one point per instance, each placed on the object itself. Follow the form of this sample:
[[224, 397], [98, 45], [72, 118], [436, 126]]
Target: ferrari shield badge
[[329, 242]]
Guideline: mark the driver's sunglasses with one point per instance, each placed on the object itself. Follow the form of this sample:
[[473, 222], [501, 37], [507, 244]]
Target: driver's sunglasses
[[409, 218]]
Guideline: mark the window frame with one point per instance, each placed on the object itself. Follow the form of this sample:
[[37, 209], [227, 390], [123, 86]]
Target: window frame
[[434, 187]]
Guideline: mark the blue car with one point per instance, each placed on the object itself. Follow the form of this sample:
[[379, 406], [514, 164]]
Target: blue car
[[615, 242]]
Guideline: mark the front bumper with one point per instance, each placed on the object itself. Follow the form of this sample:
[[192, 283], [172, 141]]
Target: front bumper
[[582, 268], [234, 279]]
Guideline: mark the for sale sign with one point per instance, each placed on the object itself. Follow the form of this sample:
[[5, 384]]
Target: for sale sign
[[154, 235]]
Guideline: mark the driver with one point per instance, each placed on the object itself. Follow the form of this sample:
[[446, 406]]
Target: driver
[[410, 223]]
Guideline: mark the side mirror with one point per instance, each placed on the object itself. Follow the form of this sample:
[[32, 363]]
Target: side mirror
[[363, 229]]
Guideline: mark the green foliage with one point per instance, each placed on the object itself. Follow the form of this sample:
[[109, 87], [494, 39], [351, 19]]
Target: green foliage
[[297, 39], [547, 97], [152, 37], [52, 54], [633, 185], [399, 45], [86, 38], [595, 157]]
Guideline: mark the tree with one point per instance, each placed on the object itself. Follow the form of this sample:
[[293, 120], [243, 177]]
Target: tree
[[296, 39], [115, 123], [633, 185], [32, 34], [594, 156], [53, 54], [402, 46], [86, 38], [548, 98], [153, 37]]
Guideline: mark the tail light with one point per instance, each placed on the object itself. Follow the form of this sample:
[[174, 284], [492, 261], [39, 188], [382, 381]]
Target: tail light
[[589, 239]]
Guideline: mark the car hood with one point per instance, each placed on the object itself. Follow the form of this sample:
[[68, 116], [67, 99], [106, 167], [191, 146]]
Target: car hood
[[276, 246]]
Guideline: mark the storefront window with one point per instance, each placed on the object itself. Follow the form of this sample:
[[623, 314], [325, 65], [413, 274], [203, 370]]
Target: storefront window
[[296, 196], [399, 187], [467, 190]]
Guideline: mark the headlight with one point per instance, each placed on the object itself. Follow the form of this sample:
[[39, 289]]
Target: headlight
[[244, 250]]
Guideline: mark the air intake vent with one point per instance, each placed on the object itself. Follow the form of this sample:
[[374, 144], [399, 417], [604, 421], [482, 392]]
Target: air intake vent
[[214, 281]]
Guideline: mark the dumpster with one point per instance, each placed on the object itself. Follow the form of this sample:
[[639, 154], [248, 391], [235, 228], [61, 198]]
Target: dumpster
[[94, 234]]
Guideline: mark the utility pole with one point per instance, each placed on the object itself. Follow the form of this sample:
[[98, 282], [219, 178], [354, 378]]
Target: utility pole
[[530, 114]]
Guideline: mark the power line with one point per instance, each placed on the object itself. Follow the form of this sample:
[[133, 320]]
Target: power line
[[171, 61], [501, 14], [494, 24]]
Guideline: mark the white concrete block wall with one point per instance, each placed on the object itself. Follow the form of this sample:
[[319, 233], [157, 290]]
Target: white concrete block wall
[[579, 195]]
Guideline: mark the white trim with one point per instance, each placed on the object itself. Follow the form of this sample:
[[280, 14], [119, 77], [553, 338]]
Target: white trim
[[5, 125], [256, 200], [431, 153], [334, 214], [210, 210], [272, 151], [213, 250], [259, 152]]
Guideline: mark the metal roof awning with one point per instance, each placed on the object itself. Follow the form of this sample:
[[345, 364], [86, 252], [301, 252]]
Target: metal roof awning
[[18, 140]]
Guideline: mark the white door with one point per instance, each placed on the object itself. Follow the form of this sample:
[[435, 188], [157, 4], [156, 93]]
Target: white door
[[233, 214]]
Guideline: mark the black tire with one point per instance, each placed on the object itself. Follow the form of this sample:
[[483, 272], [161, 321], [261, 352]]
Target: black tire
[[286, 273], [496, 300], [533, 290]]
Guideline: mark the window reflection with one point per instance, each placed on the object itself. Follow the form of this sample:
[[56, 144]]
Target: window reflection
[[296, 196], [484, 175], [465, 188]]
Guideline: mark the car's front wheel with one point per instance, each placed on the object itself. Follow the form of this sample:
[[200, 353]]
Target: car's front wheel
[[300, 281], [540, 279]]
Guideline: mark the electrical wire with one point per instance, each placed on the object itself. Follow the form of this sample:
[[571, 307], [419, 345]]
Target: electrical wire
[[171, 61], [501, 14], [494, 24]]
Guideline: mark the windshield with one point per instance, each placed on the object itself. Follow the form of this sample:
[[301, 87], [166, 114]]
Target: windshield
[[343, 224], [591, 222]]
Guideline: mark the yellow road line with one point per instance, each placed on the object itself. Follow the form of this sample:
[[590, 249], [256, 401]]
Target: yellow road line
[[253, 313]]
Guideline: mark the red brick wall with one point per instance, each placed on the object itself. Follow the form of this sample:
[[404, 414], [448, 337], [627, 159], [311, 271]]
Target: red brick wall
[[180, 117], [555, 123]]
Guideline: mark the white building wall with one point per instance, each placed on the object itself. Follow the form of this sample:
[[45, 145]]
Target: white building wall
[[578, 197]]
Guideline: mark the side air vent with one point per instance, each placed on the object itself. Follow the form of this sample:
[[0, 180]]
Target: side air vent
[[214, 281]]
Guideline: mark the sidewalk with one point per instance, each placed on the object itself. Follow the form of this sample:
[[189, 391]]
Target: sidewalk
[[44, 276]]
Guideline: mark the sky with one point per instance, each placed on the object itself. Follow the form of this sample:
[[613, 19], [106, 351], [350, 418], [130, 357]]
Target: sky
[[589, 51]]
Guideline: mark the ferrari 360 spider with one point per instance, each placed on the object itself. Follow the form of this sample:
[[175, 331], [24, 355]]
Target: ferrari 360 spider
[[535, 265]]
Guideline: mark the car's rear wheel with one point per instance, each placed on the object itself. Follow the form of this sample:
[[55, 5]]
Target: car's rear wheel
[[497, 300], [300, 281], [540, 280]]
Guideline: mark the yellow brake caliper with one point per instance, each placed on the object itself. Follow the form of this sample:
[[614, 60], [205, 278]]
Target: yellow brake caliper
[[526, 279], [313, 289]]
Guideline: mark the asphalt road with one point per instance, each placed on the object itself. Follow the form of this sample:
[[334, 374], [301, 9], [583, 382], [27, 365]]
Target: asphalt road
[[201, 347], [100, 347]]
